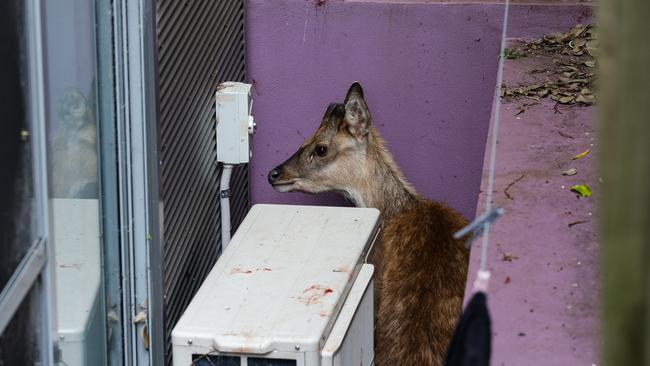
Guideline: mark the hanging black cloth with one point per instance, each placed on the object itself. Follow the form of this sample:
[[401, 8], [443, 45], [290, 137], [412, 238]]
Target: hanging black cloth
[[472, 341]]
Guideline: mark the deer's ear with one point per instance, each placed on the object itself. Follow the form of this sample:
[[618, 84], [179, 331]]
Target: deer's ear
[[357, 116], [355, 88]]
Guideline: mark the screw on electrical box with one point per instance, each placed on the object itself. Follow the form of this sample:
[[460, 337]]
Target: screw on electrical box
[[297, 347], [189, 341]]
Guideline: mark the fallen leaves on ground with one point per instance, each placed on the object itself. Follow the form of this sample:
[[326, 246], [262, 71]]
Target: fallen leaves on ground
[[573, 76]]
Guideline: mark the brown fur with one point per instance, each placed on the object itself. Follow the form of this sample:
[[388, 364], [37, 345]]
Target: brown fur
[[424, 273], [421, 270]]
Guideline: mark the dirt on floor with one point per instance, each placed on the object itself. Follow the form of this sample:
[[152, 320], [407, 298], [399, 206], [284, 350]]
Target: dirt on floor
[[544, 255]]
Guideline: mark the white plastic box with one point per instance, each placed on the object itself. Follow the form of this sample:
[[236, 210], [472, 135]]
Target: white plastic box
[[235, 123], [291, 289]]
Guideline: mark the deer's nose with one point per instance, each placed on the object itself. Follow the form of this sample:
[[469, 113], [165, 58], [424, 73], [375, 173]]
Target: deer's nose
[[274, 175]]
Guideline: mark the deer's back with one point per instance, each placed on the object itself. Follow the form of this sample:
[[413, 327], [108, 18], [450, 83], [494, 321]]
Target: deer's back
[[423, 282]]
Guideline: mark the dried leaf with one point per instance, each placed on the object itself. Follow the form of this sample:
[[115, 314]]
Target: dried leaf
[[582, 154], [508, 257], [581, 189], [592, 48], [572, 171], [573, 87], [578, 30], [579, 42], [585, 99], [566, 100], [590, 63]]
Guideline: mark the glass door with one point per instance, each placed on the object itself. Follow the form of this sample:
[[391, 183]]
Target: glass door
[[23, 321], [75, 170], [79, 203]]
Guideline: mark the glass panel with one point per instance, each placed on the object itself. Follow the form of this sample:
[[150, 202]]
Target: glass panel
[[72, 124], [19, 345], [16, 191]]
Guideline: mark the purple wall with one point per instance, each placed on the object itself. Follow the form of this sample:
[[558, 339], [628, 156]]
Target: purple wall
[[428, 72]]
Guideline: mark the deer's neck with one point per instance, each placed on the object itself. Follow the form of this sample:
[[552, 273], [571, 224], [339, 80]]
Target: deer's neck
[[382, 184]]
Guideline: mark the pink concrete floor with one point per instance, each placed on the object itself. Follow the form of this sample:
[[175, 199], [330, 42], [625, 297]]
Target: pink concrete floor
[[545, 301]]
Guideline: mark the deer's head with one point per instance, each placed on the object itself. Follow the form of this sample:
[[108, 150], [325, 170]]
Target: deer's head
[[334, 157]]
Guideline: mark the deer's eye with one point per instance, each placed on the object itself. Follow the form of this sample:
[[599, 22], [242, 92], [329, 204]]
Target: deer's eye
[[321, 150]]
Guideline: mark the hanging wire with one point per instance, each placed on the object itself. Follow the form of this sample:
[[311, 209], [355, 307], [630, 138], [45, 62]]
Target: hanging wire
[[481, 225]]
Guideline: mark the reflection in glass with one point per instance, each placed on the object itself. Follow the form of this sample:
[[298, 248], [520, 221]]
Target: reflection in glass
[[19, 341], [16, 191], [74, 148], [74, 188]]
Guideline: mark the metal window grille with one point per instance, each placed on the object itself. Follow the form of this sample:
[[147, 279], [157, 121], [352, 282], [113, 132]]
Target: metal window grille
[[200, 44]]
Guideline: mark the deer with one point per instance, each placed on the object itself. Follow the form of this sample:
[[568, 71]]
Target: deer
[[421, 269]]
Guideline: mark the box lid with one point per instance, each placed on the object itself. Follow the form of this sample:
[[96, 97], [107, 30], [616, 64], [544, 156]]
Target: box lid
[[281, 281]]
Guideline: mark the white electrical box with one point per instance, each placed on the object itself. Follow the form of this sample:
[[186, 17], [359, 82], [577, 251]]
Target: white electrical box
[[235, 123], [291, 289]]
